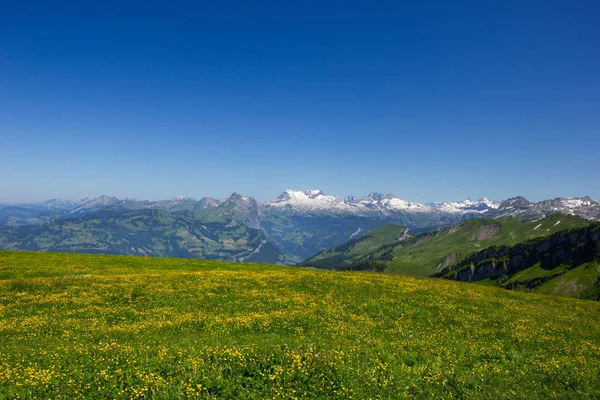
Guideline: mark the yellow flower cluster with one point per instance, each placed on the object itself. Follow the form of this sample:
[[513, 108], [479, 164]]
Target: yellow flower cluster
[[135, 328]]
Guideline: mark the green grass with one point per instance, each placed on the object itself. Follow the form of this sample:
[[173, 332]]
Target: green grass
[[376, 238], [89, 326], [573, 281], [580, 282], [536, 272]]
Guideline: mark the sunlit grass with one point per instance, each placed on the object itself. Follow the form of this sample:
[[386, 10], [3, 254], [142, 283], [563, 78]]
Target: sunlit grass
[[80, 326]]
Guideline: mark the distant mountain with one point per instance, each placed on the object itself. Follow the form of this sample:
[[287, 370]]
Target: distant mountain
[[303, 223], [317, 201], [36, 213], [522, 208], [467, 206], [147, 232], [59, 204], [236, 209]]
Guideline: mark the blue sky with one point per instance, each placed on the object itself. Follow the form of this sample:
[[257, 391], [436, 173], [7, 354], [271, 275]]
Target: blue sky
[[428, 100]]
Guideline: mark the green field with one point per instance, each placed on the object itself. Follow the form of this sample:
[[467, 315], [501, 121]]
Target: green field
[[92, 326]]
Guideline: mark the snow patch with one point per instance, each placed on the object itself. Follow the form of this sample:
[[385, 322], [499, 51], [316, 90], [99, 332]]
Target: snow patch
[[356, 233], [558, 222], [466, 206], [537, 227]]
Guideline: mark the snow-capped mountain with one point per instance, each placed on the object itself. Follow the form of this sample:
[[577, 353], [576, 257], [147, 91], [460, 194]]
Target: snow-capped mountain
[[308, 200], [520, 207], [466, 206], [374, 202], [389, 202], [316, 200]]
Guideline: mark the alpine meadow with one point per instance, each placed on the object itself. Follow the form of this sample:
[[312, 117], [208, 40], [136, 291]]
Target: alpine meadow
[[93, 326]]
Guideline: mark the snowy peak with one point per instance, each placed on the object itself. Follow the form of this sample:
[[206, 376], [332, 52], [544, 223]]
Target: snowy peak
[[308, 200], [389, 202], [520, 207], [299, 195], [570, 205], [313, 194], [395, 203], [375, 196], [466, 206], [317, 200]]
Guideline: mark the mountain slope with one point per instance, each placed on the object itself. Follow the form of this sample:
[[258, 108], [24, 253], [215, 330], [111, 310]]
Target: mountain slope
[[427, 253], [559, 254], [361, 250], [145, 232], [435, 250], [565, 263]]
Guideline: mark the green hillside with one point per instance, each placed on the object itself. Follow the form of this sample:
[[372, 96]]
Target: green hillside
[[360, 251], [437, 252], [424, 254], [96, 326], [565, 263], [434, 250]]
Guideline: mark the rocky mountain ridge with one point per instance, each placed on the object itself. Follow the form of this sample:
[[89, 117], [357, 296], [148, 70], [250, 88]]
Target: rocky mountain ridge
[[565, 263], [316, 201]]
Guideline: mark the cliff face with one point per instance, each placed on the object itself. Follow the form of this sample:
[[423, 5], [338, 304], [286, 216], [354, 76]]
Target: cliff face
[[571, 248]]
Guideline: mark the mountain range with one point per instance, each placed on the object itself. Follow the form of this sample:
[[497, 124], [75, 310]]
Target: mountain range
[[296, 225]]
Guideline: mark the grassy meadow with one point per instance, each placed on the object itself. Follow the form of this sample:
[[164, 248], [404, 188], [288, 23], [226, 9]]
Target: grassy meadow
[[92, 326]]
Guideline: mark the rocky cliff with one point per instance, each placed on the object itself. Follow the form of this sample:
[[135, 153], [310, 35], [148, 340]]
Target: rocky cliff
[[569, 249]]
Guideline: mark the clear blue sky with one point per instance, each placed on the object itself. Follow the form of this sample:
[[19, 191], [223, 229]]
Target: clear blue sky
[[432, 100]]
